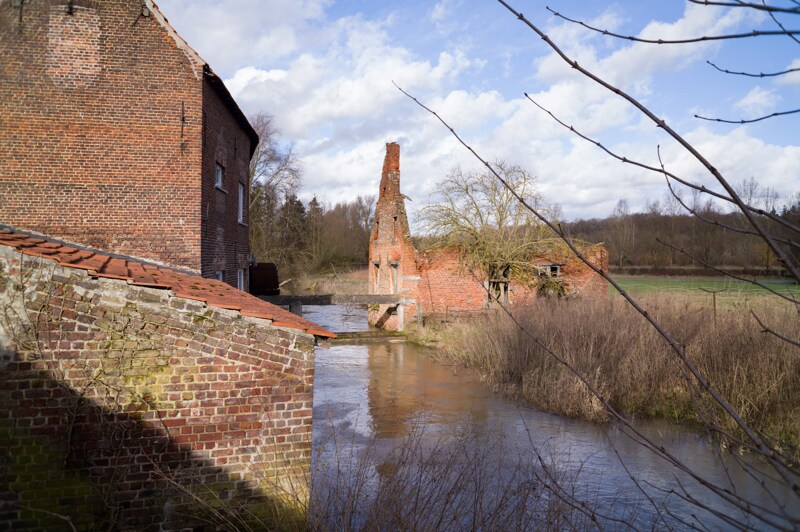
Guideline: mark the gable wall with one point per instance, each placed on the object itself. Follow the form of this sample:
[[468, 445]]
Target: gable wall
[[92, 142]]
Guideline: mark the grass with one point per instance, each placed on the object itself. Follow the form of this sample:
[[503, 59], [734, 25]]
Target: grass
[[733, 291], [623, 357]]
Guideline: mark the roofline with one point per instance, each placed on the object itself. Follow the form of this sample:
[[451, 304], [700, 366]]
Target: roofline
[[219, 86], [202, 69]]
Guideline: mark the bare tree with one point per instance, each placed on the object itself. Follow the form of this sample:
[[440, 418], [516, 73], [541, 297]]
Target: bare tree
[[473, 211], [275, 175]]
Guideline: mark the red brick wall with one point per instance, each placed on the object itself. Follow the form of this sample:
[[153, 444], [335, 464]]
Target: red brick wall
[[224, 245], [436, 281], [101, 132], [118, 401], [447, 285]]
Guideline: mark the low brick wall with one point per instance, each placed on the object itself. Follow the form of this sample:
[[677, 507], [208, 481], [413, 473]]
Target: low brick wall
[[126, 407]]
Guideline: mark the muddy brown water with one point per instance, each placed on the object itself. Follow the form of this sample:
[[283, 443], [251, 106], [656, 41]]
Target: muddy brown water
[[371, 399]]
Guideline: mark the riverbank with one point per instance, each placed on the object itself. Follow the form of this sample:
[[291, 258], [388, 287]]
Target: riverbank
[[632, 367]]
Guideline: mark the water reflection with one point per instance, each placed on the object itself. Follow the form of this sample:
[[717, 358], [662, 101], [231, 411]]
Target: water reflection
[[371, 398]]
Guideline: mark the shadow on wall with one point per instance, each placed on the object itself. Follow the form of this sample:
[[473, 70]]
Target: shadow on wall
[[67, 463]]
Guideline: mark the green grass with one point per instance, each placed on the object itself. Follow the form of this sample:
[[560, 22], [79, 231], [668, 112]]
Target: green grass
[[732, 289]]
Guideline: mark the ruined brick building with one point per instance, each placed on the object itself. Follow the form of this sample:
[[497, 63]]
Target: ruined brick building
[[436, 281], [116, 134], [139, 390]]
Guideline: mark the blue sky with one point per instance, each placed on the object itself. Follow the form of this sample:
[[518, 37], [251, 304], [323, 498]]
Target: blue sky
[[324, 70]]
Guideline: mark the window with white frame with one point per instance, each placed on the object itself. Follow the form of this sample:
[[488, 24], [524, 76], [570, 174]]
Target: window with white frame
[[240, 279], [241, 203], [219, 275], [219, 176]]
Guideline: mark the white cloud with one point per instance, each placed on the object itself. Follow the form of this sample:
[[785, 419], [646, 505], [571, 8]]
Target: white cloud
[[792, 78], [757, 102], [234, 32]]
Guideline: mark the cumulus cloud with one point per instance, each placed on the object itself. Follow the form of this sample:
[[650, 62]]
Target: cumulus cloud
[[793, 78], [328, 82], [758, 102]]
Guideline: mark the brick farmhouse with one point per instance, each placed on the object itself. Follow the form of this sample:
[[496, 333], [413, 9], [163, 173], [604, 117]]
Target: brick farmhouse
[[436, 282]]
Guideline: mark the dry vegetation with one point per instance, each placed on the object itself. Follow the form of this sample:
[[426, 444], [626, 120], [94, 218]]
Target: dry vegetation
[[624, 358], [343, 282]]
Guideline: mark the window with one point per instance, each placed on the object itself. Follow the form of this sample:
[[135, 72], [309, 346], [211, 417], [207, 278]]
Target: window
[[241, 203], [240, 279], [219, 275], [218, 176]]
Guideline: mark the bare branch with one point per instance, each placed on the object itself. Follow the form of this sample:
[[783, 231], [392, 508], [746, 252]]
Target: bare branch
[[705, 38], [768, 330], [717, 223], [759, 7], [689, 184], [793, 270], [781, 26], [750, 120], [759, 75]]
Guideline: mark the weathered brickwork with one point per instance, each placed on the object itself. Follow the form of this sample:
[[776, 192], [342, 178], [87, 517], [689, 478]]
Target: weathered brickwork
[[436, 281], [124, 407], [108, 130]]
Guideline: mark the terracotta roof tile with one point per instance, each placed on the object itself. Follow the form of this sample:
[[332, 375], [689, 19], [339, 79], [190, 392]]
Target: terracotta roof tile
[[210, 291]]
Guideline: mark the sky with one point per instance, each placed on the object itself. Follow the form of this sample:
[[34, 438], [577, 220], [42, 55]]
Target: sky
[[326, 69]]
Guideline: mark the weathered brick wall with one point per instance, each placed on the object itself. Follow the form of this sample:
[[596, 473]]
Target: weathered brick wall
[[117, 402], [446, 285], [102, 135], [225, 245], [391, 251]]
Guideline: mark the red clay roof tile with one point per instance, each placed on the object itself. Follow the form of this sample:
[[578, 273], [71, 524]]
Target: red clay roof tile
[[210, 291]]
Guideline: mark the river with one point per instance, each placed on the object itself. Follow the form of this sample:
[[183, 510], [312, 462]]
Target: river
[[402, 442]]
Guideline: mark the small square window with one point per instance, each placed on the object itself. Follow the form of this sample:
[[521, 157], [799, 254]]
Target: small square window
[[240, 279], [218, 176], [241, 203], [219, 275]]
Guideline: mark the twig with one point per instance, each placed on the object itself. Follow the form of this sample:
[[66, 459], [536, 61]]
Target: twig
[[790, 267], [705, 38], [749, 120], [759, 75]]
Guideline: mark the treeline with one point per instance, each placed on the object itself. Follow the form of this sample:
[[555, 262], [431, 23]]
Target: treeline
[[310, 237], [660, 241]]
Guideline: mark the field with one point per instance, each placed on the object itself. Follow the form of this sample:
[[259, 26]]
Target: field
[[729, 291]]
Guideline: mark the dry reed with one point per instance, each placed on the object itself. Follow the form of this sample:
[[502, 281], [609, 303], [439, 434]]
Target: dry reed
[[631, 365]]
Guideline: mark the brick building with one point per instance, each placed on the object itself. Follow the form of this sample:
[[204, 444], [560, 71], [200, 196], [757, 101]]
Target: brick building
[[436, 281], [115, 134]]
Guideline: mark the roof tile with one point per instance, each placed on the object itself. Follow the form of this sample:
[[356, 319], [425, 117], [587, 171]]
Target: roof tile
[[210, 291]]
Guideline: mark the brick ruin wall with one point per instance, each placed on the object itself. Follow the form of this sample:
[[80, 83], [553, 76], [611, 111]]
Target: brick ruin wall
[[101, 133], [122, 407], [436, 281]]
